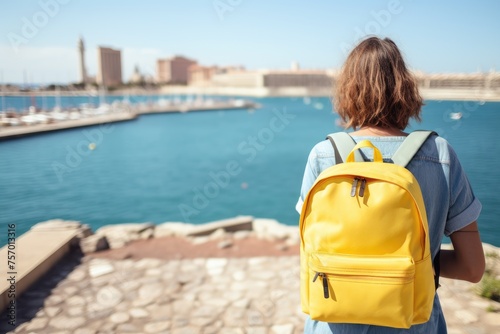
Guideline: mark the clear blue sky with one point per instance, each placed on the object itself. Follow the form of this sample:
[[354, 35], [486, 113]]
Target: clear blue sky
[[435, 36]]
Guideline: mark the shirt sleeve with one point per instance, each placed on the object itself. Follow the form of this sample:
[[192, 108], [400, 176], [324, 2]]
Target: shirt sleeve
[[464, 206], [311, 172]]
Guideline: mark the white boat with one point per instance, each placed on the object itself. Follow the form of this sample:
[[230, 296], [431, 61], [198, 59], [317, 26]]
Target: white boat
[[318, 106], [8, 120], [163, 102], [456, 115], [58, 115], [209, 102], [239, 103], [73, 115]]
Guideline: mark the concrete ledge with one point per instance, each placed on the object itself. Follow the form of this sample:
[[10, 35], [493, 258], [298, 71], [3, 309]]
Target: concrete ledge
[[36, 251]]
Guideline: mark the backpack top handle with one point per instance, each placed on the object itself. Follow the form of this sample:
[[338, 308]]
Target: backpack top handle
[[377, 156]]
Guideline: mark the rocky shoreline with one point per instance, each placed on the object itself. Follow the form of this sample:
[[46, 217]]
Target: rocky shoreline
[[149, 293], [224, 232]]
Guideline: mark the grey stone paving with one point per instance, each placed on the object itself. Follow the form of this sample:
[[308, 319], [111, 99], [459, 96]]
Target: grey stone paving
[[215, 295]]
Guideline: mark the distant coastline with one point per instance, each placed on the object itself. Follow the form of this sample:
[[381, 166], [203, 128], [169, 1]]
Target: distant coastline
[[452, 94]]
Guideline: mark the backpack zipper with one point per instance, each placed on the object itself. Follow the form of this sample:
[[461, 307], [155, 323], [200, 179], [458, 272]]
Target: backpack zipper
[[362, 188], [326, 291], [355, 186]]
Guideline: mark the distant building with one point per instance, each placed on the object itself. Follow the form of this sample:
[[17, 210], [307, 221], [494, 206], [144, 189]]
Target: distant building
[[478, 81], [203, 75], [173, 70], [137, 77], [238, 78], [109, 67], [272, 79], [200, 75], [298, 78], [81, 54]]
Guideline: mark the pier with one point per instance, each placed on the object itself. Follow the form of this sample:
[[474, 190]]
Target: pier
[[128, 113]]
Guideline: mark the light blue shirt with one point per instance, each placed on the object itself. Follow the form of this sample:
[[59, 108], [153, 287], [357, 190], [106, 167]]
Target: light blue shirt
[[449, 201]]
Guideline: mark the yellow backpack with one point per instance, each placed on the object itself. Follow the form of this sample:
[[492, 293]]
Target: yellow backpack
[[365, 253]]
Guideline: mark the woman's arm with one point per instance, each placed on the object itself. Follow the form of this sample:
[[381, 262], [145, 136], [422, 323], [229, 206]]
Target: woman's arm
[[466, 260]]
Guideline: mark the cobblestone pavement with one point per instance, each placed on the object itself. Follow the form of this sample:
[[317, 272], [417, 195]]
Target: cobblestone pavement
[[215, 295]]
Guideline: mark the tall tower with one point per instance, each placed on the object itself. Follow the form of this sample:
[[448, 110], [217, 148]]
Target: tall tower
[[81, 52]]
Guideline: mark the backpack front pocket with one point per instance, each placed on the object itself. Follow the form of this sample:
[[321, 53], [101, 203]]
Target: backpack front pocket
[[373, 290]]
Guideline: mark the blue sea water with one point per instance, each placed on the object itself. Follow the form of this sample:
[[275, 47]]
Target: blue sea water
[[204, 166]]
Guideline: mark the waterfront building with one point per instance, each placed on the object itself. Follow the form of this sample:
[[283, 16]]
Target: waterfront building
[[199, 75], [298, 78], [81, 54], [322, 80], [477, 81], [273, 78], [109, 67], [173, 70], [246, 79]]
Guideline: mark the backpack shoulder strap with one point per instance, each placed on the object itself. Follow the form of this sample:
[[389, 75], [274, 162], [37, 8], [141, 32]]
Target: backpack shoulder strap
[[343, 144], [402, 157], [410, 146]]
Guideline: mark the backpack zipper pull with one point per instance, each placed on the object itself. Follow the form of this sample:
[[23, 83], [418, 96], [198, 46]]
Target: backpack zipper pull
[[354, 187], [362, 188], [326, 292]]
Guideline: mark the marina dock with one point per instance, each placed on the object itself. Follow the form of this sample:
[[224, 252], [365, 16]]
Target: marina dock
[[26, 130], [126, 114]]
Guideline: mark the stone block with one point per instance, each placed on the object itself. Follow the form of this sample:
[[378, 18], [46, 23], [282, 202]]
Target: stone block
[[94, 243], [119, 235], [218, 234], [271, 229], [239, 223], [172, 229]]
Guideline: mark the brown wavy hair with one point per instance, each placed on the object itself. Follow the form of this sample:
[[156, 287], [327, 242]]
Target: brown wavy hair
[[375, 88]]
